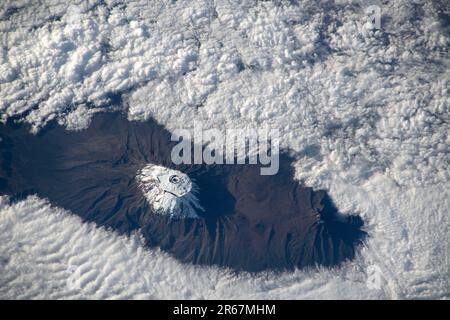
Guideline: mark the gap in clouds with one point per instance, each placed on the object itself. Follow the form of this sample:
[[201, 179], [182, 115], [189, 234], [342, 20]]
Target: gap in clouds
[[249, 221]]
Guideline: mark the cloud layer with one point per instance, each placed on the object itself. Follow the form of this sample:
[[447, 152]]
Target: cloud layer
[[48, 253], [69, 259], [374, 100], [365, 112]]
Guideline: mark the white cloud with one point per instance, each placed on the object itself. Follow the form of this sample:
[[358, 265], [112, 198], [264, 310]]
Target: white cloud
[[48, 253], [311, 71], [358, 109]]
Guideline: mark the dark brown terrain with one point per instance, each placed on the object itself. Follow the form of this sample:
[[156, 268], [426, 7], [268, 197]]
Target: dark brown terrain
[[251, 222]]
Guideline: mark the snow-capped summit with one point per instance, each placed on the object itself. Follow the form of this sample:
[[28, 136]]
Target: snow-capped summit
[[169, 192]]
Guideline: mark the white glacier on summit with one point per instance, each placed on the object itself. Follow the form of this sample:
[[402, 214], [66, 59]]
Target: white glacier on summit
[[169, 192]]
